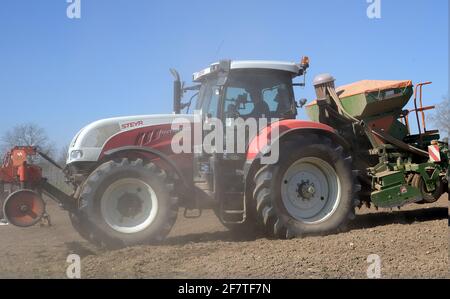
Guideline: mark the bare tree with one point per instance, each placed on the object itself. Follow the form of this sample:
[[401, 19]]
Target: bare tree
[[62, 157], [441, 118], [27, 135]]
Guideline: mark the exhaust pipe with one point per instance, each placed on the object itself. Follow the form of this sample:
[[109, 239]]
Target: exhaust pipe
[[177, 92]]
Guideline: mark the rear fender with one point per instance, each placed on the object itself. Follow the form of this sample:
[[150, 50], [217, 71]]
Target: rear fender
[[260, 144], [287, 128]]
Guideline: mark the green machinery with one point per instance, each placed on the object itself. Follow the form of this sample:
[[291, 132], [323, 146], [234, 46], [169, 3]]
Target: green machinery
[[399, 161]]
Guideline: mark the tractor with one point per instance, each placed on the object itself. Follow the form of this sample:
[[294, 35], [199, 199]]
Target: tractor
[[360, 147]]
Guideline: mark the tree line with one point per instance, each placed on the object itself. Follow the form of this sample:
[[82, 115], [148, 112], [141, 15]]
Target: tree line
[[441, 118], [31, 134]]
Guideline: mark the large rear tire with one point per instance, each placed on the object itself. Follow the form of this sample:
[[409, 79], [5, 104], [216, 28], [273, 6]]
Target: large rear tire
[[125, 203], [311, 190]]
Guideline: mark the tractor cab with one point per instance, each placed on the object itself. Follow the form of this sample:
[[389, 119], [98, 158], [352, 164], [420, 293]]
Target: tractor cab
[[248, 90], [231, 89], [253, 92]]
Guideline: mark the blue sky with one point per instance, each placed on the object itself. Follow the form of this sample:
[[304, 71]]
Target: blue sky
[[63, 73]]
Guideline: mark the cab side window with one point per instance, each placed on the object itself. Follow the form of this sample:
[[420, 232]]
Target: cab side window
[[277, 98], [213, 106], [209, 97]]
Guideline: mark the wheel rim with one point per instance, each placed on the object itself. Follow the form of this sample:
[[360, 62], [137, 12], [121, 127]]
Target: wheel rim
[[129, 205], [310, 190]]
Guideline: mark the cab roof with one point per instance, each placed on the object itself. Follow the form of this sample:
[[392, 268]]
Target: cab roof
[[290, 67]]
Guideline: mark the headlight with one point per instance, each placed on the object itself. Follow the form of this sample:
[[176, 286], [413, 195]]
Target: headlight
[[76, 154]]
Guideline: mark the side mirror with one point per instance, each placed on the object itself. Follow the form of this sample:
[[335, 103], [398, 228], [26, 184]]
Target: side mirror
[[301, 103]]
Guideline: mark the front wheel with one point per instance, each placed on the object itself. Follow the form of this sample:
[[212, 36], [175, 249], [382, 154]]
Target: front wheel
[[311, 190], [126, 203]]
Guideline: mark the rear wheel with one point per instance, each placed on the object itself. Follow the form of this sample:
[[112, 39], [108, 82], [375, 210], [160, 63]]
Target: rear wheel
[[126, 203], [311, 190]]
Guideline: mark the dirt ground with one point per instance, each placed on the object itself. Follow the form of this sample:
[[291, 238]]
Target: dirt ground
[[412, 243]]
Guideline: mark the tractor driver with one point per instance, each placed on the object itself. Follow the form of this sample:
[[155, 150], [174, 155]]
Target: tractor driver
[[284, 107], [260, 107]]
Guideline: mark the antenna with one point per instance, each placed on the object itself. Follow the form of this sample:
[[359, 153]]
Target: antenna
[[219, 48]]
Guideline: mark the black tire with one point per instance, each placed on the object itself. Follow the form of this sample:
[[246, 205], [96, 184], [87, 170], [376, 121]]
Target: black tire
[[1, 206], [272, 213], [92, 225], [3, 195], [88, 232], [428, 197]]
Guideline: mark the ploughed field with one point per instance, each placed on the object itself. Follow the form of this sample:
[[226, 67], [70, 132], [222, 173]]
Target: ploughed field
[[411, 242]]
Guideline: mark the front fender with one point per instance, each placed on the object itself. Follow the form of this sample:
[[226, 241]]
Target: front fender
[[156, 153]]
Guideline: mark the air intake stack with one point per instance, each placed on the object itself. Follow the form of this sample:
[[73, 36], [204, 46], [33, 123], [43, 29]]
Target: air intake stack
[[321, 84]]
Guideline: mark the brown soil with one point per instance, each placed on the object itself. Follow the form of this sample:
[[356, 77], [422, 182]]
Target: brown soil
[[412, 242]]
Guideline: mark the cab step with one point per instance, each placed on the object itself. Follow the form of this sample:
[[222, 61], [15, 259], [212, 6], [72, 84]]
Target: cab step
[[233, 215]]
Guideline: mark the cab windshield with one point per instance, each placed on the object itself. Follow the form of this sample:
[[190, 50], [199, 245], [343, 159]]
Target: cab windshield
[[249, 93], [253, 93]]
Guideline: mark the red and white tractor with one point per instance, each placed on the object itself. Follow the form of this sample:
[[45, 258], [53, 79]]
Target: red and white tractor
[[129, 184]]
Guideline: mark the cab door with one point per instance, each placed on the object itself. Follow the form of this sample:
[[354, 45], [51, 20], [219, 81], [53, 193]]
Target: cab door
[[203, 160]]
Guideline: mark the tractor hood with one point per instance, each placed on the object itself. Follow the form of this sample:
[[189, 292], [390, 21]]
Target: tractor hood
[[89, 141]]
